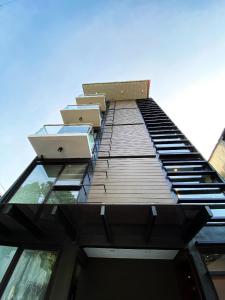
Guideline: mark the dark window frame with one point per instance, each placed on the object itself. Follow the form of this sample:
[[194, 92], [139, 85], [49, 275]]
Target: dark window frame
[[17, 184], [20, 249]]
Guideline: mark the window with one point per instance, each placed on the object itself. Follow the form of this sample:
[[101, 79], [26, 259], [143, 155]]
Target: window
[[173, 151], [71, 175], [215, 264], [63, 197], [51, 184], [6, 256], [178, 145], [176, 168], [210, 196], [37, 185], [166, 140], [193, 178], [31, 275]]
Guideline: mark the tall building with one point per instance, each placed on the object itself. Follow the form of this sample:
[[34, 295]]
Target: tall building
[[217, 158], [118, 204]]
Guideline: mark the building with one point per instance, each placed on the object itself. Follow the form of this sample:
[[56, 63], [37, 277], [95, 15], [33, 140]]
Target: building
[[217, 158], [118, 204]]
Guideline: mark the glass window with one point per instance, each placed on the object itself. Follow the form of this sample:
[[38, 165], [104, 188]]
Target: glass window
[[170, 145], [73, 129], [166, 140], [63, 197], [174, 151], [35, 188], [216, 266], [215, 262], [193, 178], [218, 213], [51, 180], [31, 276], [208, 196], [91, 140], [71, 175], [165, 135], [176, 168], [6, 256]]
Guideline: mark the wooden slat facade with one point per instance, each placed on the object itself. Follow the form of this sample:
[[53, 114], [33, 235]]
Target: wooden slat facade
[[123, 104], [127, 140], [127, 165], [130, 180], [124, 116]]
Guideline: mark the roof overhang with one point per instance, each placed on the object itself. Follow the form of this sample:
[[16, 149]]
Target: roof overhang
[[123, 90]]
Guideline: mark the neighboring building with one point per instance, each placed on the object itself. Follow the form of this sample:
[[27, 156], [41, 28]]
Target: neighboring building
[[118, 204], [217, 158]]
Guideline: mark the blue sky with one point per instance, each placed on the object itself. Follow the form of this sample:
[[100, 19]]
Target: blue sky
[[49, 48]]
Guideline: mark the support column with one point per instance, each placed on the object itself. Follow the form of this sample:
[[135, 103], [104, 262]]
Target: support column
[[60, 286]]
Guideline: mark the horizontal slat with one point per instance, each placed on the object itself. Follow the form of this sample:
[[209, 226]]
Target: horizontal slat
[[130, 180], [124, 116], [128, 140]]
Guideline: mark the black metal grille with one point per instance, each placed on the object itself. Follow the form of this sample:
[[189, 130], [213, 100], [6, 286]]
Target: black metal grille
[[192, 178]]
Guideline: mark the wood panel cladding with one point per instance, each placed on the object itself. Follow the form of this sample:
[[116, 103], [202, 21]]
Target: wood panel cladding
[[129, 180], [124, 116], [126, 140], [123, 104]]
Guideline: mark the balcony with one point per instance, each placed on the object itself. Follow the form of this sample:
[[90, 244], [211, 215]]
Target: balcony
[[63, 141], [123, 90], [93, 99], [85, 114]]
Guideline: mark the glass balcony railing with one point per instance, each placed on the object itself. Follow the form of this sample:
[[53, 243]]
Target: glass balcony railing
[[64, 129], [81, 107], [92, 99], [82, 114], [63, 141]]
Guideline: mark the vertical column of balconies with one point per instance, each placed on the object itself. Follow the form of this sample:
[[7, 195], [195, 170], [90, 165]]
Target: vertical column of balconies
[[192, 179]]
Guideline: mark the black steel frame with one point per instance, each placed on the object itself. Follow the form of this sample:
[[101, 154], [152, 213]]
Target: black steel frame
[[162, 135]]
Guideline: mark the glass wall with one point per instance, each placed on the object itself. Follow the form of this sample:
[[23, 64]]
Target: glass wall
[[216, 266], [6, 256], [31, 276], [37, 185], [51, 184]]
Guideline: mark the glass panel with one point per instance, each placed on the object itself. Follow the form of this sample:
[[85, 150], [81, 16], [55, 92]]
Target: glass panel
[[71, 175], [176, 168], [63, 197], [219, 283], [218, 213], [59, 129], [73, 129], [165, 135], [35, 188], [80, 107], [202, 196], [6, 256], [193, 178], [31, 276], [216, 263], [91, 140], [170, 145], [166, 140], [174, 151]]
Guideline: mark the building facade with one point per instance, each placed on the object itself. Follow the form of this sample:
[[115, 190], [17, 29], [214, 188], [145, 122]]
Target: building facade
[[117, 204], [217, 158]]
